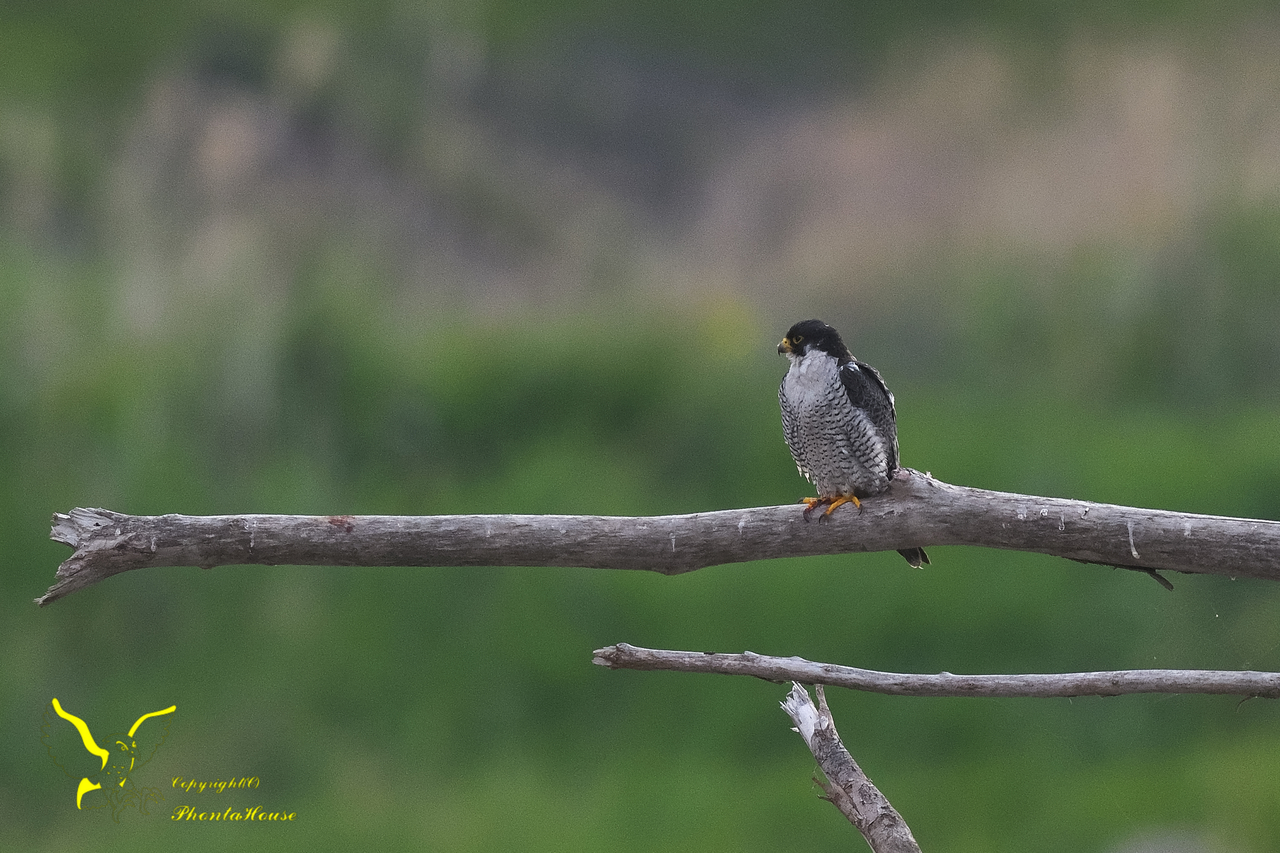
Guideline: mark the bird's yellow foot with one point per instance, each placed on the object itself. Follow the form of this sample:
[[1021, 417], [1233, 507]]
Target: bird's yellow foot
[[831, 503], [810, 504]]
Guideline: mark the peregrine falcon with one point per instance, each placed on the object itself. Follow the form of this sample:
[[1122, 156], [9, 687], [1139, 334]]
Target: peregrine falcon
[[839, 421]]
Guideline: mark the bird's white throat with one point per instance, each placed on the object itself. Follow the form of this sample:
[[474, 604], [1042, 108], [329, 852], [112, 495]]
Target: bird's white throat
[[811, 377]]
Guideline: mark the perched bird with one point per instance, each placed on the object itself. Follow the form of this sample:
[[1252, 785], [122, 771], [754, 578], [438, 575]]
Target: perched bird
[[839, 421]]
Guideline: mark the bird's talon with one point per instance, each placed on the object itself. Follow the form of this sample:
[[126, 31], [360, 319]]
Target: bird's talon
[[841, 501], [830, 503]]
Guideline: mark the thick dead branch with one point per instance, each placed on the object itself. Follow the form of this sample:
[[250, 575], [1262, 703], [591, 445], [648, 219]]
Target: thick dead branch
[[846, 786], [1067, 684], [918, 510]]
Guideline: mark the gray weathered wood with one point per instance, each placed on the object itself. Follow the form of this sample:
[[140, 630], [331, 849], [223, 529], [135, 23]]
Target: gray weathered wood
[[846, 786], [917, 510], [1060, 685]]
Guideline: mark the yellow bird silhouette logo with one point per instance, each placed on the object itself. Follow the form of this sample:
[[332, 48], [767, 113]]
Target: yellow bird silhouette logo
[[107, 769]]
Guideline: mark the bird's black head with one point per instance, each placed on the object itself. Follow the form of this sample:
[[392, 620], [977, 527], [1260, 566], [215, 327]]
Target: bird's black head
[[810, 335]]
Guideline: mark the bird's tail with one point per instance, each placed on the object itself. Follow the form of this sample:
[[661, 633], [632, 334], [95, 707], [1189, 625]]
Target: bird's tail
[[915, 556]]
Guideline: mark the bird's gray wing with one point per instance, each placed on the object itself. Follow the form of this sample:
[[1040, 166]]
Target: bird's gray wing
[[867, 391]]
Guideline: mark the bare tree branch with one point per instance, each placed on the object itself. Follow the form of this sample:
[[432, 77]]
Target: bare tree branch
[[917, 510], [847, 787], [1114, 683]]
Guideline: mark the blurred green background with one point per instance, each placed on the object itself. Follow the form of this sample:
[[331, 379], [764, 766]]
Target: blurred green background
[[534, 257]]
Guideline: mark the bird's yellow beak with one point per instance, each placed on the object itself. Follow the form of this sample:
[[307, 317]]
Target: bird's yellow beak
[[784, 346]]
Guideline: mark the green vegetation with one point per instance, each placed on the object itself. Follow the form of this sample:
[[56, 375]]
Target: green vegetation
[[457, 707], [452, 709]]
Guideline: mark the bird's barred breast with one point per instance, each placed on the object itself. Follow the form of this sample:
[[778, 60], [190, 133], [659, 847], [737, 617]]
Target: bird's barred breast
[[835, 444]]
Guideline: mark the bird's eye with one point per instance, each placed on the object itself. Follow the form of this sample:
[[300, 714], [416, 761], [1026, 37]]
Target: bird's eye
[[797, 339]]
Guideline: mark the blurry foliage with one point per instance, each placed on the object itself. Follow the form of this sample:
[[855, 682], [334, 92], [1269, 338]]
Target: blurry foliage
[[364, 696], [78, 51], [456, 709]]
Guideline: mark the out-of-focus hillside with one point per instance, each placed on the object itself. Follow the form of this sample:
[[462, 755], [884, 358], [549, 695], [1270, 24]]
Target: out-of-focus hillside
[[1103, 198]]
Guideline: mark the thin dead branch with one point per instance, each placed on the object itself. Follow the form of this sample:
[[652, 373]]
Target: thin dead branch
[[846, 786], [918, 510], [1061, 685]]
